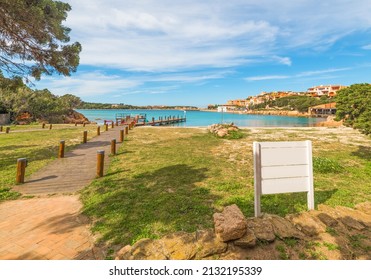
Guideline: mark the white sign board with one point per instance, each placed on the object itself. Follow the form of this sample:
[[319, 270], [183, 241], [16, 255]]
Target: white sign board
[[283, 167]]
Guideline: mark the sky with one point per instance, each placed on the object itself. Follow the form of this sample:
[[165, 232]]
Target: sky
[[192, 52]]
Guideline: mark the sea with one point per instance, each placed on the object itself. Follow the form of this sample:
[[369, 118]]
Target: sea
[[203, 119]]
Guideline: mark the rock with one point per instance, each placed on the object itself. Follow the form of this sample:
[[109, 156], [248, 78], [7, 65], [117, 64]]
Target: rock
[[147, 249], [230, 224], [352, 218], [124, 253], [208, 244], [222, 132], [352, 223], [308, 224], [246, 241], [262, 228], [365, 207], [327, 219], [179, 246], [283, 228]]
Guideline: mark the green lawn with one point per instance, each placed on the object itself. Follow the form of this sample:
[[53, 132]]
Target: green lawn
[[39, 147], [169, 179]]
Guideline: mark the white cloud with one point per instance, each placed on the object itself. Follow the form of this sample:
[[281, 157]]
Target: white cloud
[[298, 75], [262, 78], [149, 35], [88, 84], [367, 47]]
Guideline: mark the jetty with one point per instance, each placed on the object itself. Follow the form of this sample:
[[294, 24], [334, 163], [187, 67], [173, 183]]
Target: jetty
[[141, 120]]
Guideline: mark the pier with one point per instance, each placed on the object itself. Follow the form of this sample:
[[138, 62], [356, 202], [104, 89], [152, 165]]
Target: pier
[[141, 120]]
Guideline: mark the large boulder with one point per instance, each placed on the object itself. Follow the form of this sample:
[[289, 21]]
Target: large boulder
[[230, 224]]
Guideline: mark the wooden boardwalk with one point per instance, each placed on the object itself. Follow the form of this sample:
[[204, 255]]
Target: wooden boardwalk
[[162, 121], [73, 172]]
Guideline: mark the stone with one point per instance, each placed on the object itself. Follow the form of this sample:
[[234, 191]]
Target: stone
[[230, 224], [222, 132], [283, 228], [365, 207], [208, 244], [179, 246], [352, 218], [148, 249], [307, 223], [352, 223], [262, 228], [327, 219], [124, 253], [246, 241]]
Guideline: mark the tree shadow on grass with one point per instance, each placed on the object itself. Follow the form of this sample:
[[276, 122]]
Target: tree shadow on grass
[[280, 204], [150, 204], [363, 152]]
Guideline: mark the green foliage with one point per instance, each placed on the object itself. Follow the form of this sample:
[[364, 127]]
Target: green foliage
[[326, 165], [33, 40], [354, 107], [299, 103], [16, 98], [238, 134]]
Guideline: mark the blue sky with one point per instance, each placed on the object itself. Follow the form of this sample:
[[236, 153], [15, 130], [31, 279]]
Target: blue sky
[[191, 52]]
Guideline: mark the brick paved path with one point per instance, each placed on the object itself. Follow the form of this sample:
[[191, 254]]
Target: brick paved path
[[52, 227]]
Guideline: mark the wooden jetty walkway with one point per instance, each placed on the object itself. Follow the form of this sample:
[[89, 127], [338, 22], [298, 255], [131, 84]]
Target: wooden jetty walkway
[[73, 172], [141, 120]]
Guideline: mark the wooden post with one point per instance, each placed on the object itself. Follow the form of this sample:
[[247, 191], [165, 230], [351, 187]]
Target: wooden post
[[100, 163], [126, 130], [21, 170], [121, 135], [43, 125], [7, 129], [117, 123], [1, 128], [61, 149], [50, 126], [113, 146], [75, 123], [83, 124], [113, 125], [98, 130], [153, 120], [106, 126], [85, 137]]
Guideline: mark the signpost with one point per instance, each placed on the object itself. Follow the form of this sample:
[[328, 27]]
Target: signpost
[[283, 167]]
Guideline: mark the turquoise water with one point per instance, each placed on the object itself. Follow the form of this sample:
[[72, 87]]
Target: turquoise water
[[197, 118]]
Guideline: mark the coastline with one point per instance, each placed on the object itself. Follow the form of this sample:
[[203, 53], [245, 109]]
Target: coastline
[[266, 112]]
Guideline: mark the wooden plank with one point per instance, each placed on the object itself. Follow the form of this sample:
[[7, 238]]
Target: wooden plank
[[283, 144], [271, 172], [285, 185], [284, 156]]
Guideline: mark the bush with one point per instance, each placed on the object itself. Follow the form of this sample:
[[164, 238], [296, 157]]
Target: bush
[[354, 107]]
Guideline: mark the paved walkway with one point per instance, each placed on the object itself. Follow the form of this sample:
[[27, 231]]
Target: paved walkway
[[52, 227]]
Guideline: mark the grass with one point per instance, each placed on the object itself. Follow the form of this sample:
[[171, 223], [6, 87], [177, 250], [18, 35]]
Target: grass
[[39, 147], [168, 179], [173, 179]]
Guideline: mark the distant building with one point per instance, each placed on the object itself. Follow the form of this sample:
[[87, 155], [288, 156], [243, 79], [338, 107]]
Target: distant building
[[238, 103], [321, 90], [323, 109], [222, 108]]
